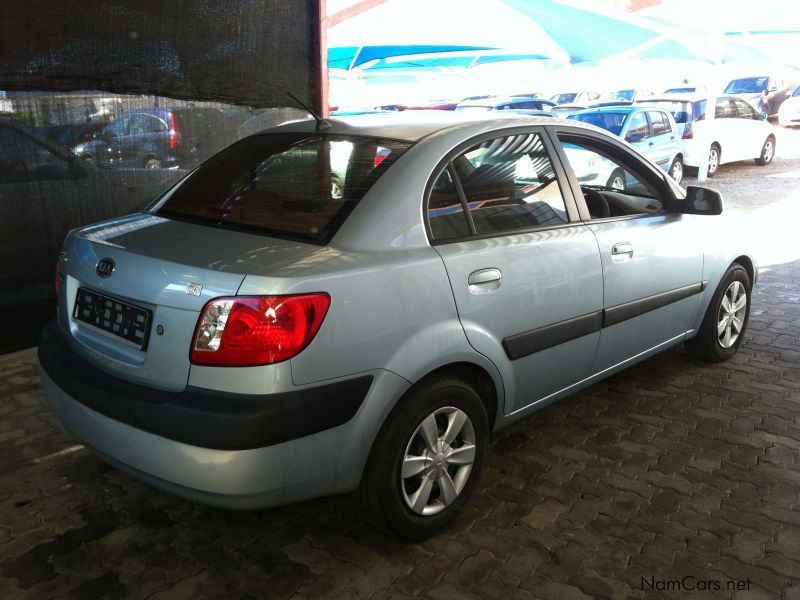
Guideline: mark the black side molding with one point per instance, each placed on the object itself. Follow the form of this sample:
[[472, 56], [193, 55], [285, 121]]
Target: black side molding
[[201, 417], [528, 342], [535, 340], [629, 310]]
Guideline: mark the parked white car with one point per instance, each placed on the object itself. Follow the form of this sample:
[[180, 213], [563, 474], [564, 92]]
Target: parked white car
[[737, 131], [789, 112]]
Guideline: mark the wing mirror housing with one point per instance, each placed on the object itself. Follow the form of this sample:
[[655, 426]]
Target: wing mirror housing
[[634, 137], [762, 116], [702, 201]]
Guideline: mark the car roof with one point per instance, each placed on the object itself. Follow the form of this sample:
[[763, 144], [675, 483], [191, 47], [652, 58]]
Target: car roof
[[412, 126]]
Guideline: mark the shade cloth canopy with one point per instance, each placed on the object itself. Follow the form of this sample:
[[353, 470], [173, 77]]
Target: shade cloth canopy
[[250, 52]]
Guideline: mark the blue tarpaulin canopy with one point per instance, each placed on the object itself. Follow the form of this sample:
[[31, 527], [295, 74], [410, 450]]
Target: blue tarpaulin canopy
[[470, 32]]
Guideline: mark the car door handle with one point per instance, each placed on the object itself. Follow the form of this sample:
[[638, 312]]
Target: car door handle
[[484, 280], [622, 248], [651, 143]]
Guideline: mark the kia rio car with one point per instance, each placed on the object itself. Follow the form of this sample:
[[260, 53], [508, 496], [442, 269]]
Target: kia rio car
[[250, 340]]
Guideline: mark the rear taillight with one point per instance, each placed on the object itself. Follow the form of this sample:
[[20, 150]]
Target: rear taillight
[[243, 331], [173, 132]]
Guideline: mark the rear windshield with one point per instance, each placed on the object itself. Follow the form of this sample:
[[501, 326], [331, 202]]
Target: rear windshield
[[610, 121], [300, 186], [748, 85]]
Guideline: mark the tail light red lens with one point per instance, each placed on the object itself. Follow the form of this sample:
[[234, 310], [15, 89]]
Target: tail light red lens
[[243, 331], [173, 132]]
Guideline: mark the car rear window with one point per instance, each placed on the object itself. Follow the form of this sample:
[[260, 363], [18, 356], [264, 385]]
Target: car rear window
[[300, 186]]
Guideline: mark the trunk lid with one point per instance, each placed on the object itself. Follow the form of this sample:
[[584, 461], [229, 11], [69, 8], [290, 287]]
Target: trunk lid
[[167, 267]]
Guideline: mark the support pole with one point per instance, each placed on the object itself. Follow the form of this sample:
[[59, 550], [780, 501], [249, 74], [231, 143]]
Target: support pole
[[322, 101]]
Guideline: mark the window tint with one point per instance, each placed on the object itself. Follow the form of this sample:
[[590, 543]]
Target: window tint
[[142, 124], [24, 160], [610, 121], [699, 110], [660, 122], [445, 210], [744, 110], [747, 85], [611, 187], [724, 109], [118, 127], [509, 184], [290, 184], [637, 130]]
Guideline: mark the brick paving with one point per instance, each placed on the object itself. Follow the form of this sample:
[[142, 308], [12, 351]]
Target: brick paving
[[670, 473]]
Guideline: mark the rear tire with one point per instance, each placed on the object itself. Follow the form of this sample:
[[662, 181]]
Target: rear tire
[[726, 318], [714, 154], [416, 481], [616, 180], [676, 170], [767, 152]]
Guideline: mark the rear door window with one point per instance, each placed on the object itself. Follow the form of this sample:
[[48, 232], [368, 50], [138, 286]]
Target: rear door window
[[660, 122], [295, 185], [509, 184]]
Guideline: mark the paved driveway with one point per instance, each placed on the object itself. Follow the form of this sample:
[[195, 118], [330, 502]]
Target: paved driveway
[[669, 478]]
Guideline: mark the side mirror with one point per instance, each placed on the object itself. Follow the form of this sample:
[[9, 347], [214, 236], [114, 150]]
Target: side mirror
[[634, 137], [702, 201], [762, 116]]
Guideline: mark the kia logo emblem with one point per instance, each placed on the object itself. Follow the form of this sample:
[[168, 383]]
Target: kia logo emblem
[[105, 267]]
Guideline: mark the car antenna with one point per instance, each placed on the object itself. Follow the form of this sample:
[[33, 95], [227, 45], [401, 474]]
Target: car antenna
[[321, 123]]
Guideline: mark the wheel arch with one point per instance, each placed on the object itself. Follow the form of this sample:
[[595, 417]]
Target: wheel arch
[[474, 374], [748, 265]]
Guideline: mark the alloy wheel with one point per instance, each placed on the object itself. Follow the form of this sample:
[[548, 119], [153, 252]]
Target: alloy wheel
[[677, 171], [730, 320], [438, 461], [713, 161], [768, 151]]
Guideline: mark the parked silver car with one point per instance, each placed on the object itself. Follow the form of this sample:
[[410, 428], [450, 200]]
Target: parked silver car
[[251, 341]]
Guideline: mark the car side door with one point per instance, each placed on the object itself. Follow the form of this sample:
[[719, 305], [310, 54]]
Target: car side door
[[750, 128], [725, 130], [525, 272], [652, 255]]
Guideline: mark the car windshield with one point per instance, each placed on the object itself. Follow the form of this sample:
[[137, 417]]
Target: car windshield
[[748, 85], [610, 121], [295, 185], [618, 96], [474, 108], [563, 98]]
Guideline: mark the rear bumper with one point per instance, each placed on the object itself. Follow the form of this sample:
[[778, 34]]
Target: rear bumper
[[200, 417], [234, 474]]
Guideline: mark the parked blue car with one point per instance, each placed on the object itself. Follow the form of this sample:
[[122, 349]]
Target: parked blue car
[[157, 138], [650, 130]]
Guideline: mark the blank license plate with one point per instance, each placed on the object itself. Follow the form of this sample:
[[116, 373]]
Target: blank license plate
[[124, 320]]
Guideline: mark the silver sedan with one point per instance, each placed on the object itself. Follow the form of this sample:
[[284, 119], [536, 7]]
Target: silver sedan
[[254, 339]]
